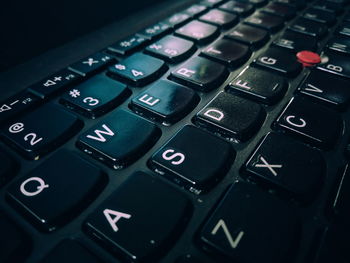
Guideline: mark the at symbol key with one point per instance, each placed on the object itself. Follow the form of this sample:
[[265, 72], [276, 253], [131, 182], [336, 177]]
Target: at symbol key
[[141, 220], [312, 123], [287, 164], [138, 69], [194, 158], [41, 130], [119, 139]]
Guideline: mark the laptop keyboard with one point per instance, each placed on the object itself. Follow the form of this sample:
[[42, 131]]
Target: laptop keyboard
[[219, 134]]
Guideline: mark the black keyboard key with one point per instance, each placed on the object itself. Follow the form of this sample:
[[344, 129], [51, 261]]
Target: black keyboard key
[[196, 10], [327, 89], [279, 61], [96, 96], [14, 244], [165, 101], [17, 104], [284, 162], [141, 219], [194, 159], [7, 168], [154, 31], [198, 31], [335, 64], [119, 139], [239, 8], [177, 19], [233, 232], [339, 44], [330, 6], [265, 21], [127, 45], [259, 85], [219, 18], [39, 132], [252, 36], [70, 251], [308, 27], [231, 116], [200, 73], [138, 69], [227, 52], [344, 29], [92, 64], [284, 11], [256, 3], [311, 123], [298, 4], [55, 83], [212, 3], [296, 42], [58, 189], [172, 49], [320, 16]]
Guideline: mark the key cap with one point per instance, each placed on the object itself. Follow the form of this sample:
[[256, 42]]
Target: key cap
[[165, 101], [141, 219], [330, 6], [308, 27], [311, 123], [41, 131], [279, 61], [7, 168], [200, 73], [127, 45], [327, 89], [119, 139], [195, 10], [17, 104], [252, 36], [299, 4], [339, 44], [344, 29], [212, 3], [265, 21], [320, 16], [296, 42], [96, 96], [70, 251], [54, 84], [57, 190], [283, 163], [239, 8], [284, 11], [14, 244], [231, 116], [219, 18], [227, 52], [198, 31], [194, 159], [172, 49], [256, 3], [335, 64], [155, 31], [259, 85], [233, 232], [92, 64], [177, 19], [138, 69]]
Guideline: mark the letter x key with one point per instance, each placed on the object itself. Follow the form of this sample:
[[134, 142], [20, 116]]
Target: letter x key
[[265, 164]]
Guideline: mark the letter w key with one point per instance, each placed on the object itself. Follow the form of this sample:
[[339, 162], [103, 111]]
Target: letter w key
[[99, 134]]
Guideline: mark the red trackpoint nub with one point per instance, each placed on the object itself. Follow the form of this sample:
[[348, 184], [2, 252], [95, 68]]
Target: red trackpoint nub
[[308, 58]]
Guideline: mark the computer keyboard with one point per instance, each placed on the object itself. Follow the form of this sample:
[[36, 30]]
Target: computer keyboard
[[219, 134]]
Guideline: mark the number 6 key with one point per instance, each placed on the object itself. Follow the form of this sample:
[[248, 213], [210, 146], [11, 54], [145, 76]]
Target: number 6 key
[[41, 131]]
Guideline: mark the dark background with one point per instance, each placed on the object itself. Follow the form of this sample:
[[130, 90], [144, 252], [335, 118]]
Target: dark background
[[29, 28]]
